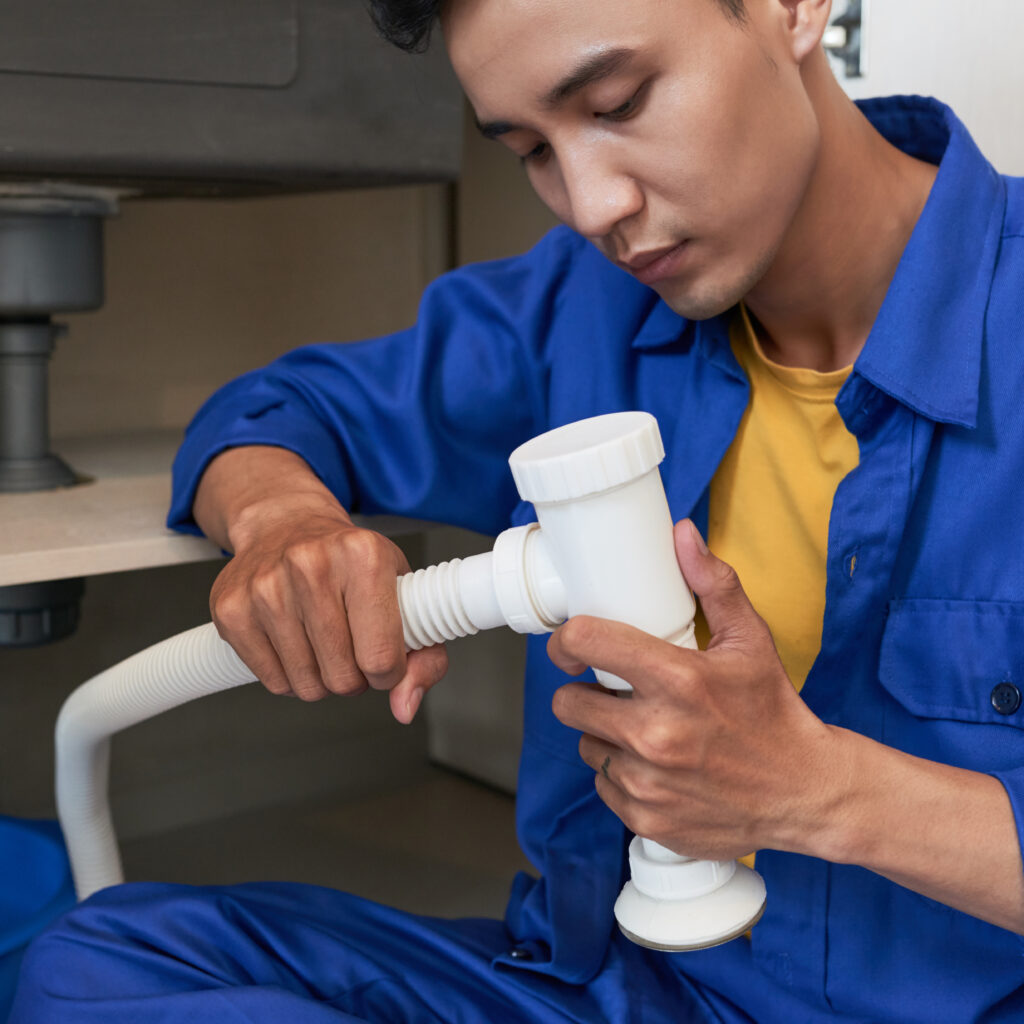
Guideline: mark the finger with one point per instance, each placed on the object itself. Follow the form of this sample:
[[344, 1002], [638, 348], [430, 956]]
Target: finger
[[231, 612], [626, 791], [616, 800], [424, 669], [295, 653], [614, 777], [726, 607], [645, 661], [593, 711], [598, 754], [268, 605], [328, 632], [371, 605], [260, 658]]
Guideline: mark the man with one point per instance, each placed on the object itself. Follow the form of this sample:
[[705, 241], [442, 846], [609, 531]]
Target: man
[[703, 156]]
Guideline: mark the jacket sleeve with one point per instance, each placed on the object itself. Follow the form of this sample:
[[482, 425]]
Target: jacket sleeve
[[1013, 782], [418, 423]]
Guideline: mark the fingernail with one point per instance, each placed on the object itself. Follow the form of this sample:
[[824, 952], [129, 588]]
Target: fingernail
[[413, 704], [701, 546]]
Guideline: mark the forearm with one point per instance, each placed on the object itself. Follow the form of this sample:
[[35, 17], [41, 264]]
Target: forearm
[[256, 481], [944, 832]]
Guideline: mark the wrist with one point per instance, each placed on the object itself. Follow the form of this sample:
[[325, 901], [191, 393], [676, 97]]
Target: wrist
[[847, 811], [829, 820], [245, 491], [861, 807], [267, 513]]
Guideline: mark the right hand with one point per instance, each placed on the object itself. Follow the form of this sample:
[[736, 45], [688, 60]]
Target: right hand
[[310, 603]]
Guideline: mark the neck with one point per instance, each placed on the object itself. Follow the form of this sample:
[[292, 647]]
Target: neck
[[816, 304]]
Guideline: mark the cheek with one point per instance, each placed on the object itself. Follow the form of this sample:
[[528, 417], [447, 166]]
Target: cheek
[[764, 161], [782, 168]]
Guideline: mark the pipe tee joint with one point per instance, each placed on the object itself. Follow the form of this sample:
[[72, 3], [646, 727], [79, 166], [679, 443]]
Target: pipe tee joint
[[515, 584]]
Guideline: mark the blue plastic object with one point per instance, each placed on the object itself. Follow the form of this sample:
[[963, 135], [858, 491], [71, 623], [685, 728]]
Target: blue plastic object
[[35, 887]]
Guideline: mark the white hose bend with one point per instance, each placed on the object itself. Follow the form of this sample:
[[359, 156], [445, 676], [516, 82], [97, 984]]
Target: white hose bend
[[172, 672]]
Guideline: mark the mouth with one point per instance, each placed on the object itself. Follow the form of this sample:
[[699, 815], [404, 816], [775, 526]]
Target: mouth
[[654, 265]]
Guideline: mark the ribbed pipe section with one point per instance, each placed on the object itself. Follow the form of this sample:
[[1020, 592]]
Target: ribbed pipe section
[[173, 672], [431, 606]]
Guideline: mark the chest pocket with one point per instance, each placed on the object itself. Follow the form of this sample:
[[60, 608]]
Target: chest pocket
[[955, 672]]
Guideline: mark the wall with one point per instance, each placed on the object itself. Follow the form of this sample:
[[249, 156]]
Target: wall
[[199, 291], [965, 54]]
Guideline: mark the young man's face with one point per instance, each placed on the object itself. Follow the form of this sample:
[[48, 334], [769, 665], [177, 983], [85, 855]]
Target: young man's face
[[677, 140]]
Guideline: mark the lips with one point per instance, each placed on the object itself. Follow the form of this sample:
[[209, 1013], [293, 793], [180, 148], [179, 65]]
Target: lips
[[653, 265], [646, 258]]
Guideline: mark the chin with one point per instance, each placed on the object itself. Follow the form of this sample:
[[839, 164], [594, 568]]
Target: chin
[[700, 306], [701, 298]]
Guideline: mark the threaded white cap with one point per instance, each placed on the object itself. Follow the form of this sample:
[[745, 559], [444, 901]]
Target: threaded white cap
[[678, 878], [587, 457]]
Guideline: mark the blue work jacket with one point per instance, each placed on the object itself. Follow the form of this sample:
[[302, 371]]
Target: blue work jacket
[[923, 641]]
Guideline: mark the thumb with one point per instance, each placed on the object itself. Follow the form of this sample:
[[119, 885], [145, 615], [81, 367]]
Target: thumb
[[726, 607], [424, 669]]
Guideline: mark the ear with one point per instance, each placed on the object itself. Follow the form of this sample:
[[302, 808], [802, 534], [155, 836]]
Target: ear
[[806, 21]]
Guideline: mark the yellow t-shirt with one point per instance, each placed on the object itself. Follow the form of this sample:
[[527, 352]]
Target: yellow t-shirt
[[772, 495]]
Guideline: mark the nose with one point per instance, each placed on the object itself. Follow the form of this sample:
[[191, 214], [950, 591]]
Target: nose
[[598, 195]]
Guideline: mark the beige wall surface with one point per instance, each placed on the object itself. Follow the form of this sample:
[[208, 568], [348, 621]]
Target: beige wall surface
[[199, 291], [967, 55]]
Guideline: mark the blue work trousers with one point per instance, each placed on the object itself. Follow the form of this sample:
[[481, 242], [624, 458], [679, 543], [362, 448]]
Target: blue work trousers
[[299, 954]]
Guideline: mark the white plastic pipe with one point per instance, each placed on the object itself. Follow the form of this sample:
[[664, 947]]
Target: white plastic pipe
[[602, 546], [172, 672]]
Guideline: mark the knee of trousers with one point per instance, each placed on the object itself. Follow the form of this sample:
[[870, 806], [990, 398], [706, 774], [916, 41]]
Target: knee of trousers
[[114, 916]]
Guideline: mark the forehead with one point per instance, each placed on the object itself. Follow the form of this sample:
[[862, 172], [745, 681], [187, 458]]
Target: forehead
[[508, 49]]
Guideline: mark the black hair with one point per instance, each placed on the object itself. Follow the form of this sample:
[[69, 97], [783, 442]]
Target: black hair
[[408, 23]]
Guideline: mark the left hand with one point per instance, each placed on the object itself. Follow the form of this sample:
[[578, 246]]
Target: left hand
[[714, 754]]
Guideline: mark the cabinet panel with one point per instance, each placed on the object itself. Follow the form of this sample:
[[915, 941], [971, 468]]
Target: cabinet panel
[[273, 95], [151, 40]]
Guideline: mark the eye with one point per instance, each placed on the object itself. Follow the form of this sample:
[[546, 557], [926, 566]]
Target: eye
[[537, 153], [625, 111]]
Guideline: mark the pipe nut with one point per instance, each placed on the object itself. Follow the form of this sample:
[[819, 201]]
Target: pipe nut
[[512, 582], [682, 879]]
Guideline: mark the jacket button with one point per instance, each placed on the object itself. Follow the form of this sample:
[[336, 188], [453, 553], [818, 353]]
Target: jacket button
[[520, 953], [1006, 698]]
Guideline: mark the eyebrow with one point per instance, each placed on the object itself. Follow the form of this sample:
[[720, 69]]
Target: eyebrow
[[590, 70]]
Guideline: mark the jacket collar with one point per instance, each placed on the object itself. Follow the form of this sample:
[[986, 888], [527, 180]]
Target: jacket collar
[[925, 347]]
